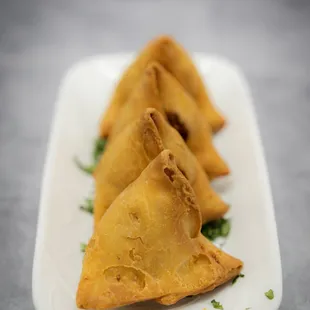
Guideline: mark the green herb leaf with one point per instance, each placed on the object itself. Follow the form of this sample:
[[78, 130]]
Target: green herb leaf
[[225, 228], [83, 247], [99, 147], [241, 275], [216, 304], [89, 169], [269, 294], [215, 229], [88, 205], [247, 308]]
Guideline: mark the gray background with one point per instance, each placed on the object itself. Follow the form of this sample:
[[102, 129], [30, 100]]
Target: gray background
[[40, 40]]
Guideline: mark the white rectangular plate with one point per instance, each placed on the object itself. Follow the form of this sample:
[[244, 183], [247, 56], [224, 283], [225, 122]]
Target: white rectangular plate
[[83, 97]]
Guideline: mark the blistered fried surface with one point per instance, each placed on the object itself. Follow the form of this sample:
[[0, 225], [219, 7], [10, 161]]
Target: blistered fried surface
[[148, 245]]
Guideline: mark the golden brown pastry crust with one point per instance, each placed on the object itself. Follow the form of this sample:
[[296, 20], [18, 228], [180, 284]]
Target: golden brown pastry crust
[[175, 59], [159, 89], [227, 267], [184, 115], [148, 245], [144, 95], [133, 149]]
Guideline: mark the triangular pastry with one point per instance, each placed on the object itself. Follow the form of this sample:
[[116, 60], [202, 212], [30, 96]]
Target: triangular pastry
[[134, 148], [148, 245], [175, 59], [160, 90], [184, 116], [144, 95]]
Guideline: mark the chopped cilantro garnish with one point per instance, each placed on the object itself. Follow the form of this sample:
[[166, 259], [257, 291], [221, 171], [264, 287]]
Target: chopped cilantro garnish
[[241, 275], [217, 228], [97, 152], [225, 228], [89, 169], [83, 247], [88, 205], [269, 294], [216, 304], [247, 308], [98, 148]]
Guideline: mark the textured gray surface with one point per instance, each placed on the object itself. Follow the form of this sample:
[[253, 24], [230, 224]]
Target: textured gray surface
[[39, 40]]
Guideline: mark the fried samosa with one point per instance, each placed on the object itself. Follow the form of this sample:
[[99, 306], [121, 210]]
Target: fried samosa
[[175, 59], [148, 245], [160, 90], [132, 150], [144, 95]]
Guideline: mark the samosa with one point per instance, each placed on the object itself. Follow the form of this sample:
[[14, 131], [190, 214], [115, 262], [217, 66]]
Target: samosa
[[160, 90], [175, 59], [144, 95], [134, 148], [148, 245]]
